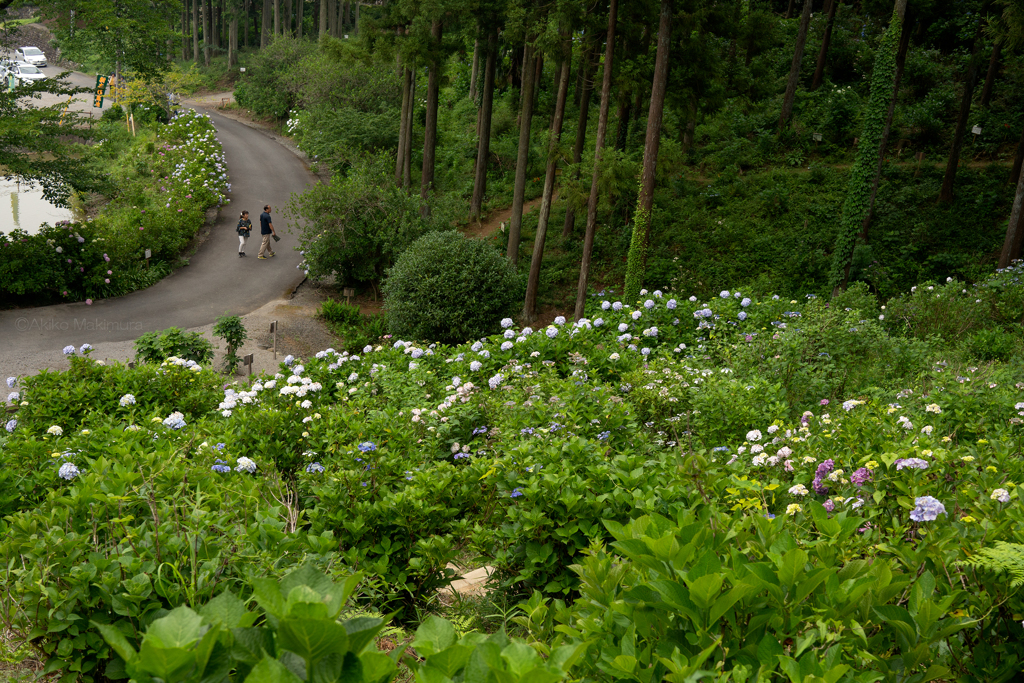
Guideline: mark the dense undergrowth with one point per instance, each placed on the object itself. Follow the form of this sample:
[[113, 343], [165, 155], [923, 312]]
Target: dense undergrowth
[[750, 487], [163, 179]]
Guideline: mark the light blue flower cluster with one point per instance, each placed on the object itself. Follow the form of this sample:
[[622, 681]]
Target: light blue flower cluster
[[927, 509], [175, 420], [68, 471]]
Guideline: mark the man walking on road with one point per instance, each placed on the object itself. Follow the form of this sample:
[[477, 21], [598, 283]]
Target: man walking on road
[[266, 229]]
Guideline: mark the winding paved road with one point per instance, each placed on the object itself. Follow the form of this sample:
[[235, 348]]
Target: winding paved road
[[215, 281]]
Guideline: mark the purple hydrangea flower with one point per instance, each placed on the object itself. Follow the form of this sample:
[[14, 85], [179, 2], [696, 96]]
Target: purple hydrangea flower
[[927, 509]]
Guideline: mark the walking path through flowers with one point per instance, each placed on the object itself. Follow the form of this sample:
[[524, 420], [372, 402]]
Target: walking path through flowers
[[216, 281]]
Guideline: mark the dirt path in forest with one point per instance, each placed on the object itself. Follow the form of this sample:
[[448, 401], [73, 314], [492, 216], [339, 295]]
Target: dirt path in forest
[[492, 223]]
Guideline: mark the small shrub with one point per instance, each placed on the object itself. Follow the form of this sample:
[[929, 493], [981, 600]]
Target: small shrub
[[232, 331], [338, 313], [449, 288], [155, 347]]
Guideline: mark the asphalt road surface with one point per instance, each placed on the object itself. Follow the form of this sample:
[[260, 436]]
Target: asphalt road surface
[[215, 282]]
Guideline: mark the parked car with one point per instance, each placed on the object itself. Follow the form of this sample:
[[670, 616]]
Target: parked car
[[26, 73], [30, 55]]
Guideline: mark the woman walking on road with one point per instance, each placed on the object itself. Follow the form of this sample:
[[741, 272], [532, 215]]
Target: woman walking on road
[[244, 228]]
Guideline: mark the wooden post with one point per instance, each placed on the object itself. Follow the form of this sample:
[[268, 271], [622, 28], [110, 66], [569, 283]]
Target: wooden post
[[273, 329]]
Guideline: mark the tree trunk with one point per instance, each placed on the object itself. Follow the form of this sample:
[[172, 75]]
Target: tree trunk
[[355, 25], [1018, 160], [636, 264], [206, 32], [403, 128], [195, 31], [475, 71], [483, 148], [858, 188], [217, 24], [430, 126], [232, 42], [322, 26], [602, 129], [622, 132], [819, 69], [265, 24], [794, 68], [990, 76], [277, 17], [332, 18], [586, 94], [515, 224], [1014, 229], [184, 30], [300, 16], [691, 124], [410, 130], [533, 282], [789, 9], [286, 20], [901, 61], [949, 179]]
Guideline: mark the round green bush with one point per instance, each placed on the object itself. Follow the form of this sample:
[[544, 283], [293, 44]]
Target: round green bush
[[448, 288]]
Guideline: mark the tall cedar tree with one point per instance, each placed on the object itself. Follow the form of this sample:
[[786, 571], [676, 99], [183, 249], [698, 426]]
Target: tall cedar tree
[[602, 129], [483, 152], [794, 68], [430, 126], [826, 40], [637, 260], [533, 281], [523, 155], [586, 88], [949, 179]]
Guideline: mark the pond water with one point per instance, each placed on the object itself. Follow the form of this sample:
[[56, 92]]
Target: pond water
[[22, 206]]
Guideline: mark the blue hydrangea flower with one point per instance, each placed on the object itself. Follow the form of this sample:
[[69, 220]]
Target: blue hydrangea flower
[[515, 493], [13, 396], [475, 366], [745, 302], [127, 400], [742, 315], [11, 381], [605, 305], [85, 348], [68, 471], [649, 304], [11, 425], [506, 346], [314, 468], [598, 322], [724, 294], [603, 436], [495, 382], [219, 467], [670, 304], [506, 323], [289, 359], [526, 431], [552, 332], [367, 349], [367, 446], [617, 306], [560, 320], [69, 350], [927, 509]]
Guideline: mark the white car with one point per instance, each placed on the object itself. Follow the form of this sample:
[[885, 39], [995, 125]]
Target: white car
[[30, 55], [26, 73]]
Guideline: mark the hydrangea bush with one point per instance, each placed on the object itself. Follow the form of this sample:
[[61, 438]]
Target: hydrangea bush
[[792, 493]]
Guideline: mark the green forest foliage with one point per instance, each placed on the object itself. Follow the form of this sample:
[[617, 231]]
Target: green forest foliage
[[736, 203]]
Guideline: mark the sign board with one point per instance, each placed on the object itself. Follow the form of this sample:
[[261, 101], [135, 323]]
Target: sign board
[[273, 326], [101, 88], [242, 69], [816, 137], [348, 291], [976, 130], [149, 254]]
